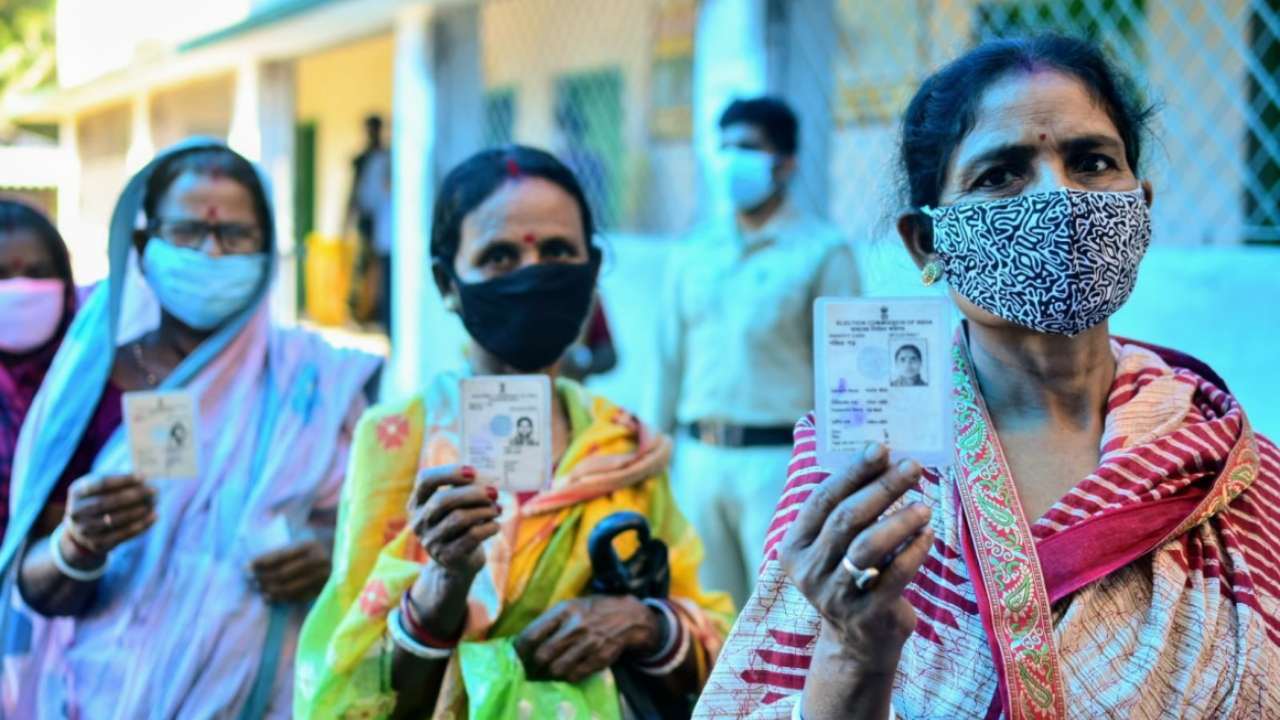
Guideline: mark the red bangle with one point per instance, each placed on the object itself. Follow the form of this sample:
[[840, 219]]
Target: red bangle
[[79, 546], [419, 633]]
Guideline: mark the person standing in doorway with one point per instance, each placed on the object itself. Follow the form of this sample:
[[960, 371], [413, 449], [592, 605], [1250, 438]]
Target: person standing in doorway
[[736, 342], [369, 209]]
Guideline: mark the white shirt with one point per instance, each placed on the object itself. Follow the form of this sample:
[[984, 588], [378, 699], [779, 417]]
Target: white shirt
[[373, 196], [736, 340]]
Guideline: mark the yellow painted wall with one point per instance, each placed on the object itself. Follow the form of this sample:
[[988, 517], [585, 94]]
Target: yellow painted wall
[[336, 90]]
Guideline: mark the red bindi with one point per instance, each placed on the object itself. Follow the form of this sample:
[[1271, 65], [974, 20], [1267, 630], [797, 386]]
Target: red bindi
[[513, 168], [529, 239], [1042, 137], [211, 214]]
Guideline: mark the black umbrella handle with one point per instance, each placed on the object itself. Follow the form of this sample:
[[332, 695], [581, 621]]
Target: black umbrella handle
[[646, 574]]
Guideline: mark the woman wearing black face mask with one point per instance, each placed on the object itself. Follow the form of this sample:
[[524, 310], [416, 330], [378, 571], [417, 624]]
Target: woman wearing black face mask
[[456, 598]]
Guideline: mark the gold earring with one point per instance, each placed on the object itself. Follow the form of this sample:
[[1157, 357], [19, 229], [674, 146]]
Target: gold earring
[[932, 273]]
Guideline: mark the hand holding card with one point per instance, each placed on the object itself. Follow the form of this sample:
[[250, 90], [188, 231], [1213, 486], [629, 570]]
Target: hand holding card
[[452, 515], [104, 511], [506, 430]]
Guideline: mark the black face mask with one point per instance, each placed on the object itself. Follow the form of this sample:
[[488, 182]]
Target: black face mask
[[528, 318]]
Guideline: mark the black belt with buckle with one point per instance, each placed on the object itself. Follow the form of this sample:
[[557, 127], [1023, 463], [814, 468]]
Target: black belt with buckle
[[737, 436]]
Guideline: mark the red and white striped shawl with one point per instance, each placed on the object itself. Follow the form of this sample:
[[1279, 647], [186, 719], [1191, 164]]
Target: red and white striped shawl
[[1161, 571]]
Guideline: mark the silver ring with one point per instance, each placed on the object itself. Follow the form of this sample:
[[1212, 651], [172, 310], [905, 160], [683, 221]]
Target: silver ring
[[861, 578]]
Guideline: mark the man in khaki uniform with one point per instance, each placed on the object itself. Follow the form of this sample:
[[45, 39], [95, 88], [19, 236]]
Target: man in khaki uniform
[[737, 341]]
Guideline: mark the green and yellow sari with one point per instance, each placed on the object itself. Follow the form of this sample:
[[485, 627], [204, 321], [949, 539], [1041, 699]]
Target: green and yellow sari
[[539, 559]]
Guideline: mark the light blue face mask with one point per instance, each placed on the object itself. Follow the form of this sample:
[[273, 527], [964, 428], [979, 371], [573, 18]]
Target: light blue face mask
[[201, 291]]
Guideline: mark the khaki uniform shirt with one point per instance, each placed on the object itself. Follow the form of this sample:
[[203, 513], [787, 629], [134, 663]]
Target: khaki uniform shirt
[[736, 338]]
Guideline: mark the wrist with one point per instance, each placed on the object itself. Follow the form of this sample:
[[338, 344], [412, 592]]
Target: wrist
[[450, 577], [861, 662], [85, 573], [441, 582], [839, 681], [651, 629], [77, 553], [438, 600], [673, 642], [419, 626]]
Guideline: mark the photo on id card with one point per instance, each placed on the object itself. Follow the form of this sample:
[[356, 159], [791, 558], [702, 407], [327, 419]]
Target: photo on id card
[[506, 430], [882, 373]]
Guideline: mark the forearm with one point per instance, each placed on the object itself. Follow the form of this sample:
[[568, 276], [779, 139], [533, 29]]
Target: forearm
[[440, 602], [837, 687], [417, 683], [49, 591]]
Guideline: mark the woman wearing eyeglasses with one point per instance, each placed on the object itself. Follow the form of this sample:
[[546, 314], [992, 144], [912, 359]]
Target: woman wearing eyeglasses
[[169, 597]]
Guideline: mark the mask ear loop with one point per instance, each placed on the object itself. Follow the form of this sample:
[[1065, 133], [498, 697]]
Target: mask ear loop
[[450, 302], [933, 270]]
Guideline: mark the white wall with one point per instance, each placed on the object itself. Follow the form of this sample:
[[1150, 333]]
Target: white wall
[[201, 107], [103, 142], [96, 37]]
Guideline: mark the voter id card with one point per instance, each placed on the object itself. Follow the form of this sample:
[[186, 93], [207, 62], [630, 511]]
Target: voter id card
[[506, 430], [882, 373], [161, 428]]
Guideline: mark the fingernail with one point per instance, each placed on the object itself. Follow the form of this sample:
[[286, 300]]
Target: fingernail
[[873, 452], [492, 492], [906, 467], [499, 507], [468, 472]]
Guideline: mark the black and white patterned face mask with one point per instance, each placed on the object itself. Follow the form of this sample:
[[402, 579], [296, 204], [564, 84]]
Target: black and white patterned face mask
[[1057, 262]]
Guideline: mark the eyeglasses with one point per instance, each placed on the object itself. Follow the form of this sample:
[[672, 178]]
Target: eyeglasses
[[232, 238]]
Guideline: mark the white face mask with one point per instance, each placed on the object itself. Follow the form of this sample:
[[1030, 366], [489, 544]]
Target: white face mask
[[32, 309], [748, 176], [200, 290]]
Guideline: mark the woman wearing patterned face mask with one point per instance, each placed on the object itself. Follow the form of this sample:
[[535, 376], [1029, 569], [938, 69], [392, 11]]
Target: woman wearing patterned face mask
[[454, 599], [37, 301], [1104, 542], [168, 597]]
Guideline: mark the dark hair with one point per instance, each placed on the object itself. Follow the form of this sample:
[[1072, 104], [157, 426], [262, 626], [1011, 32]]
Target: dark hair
[[912, 348], [18, 215], [469, 184], [943, 109], [373, 120], [209, 161], [774, 118]]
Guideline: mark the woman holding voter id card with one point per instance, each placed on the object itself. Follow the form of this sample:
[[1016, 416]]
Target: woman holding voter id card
[[176, 479], [463, 585], [1104, 538]]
